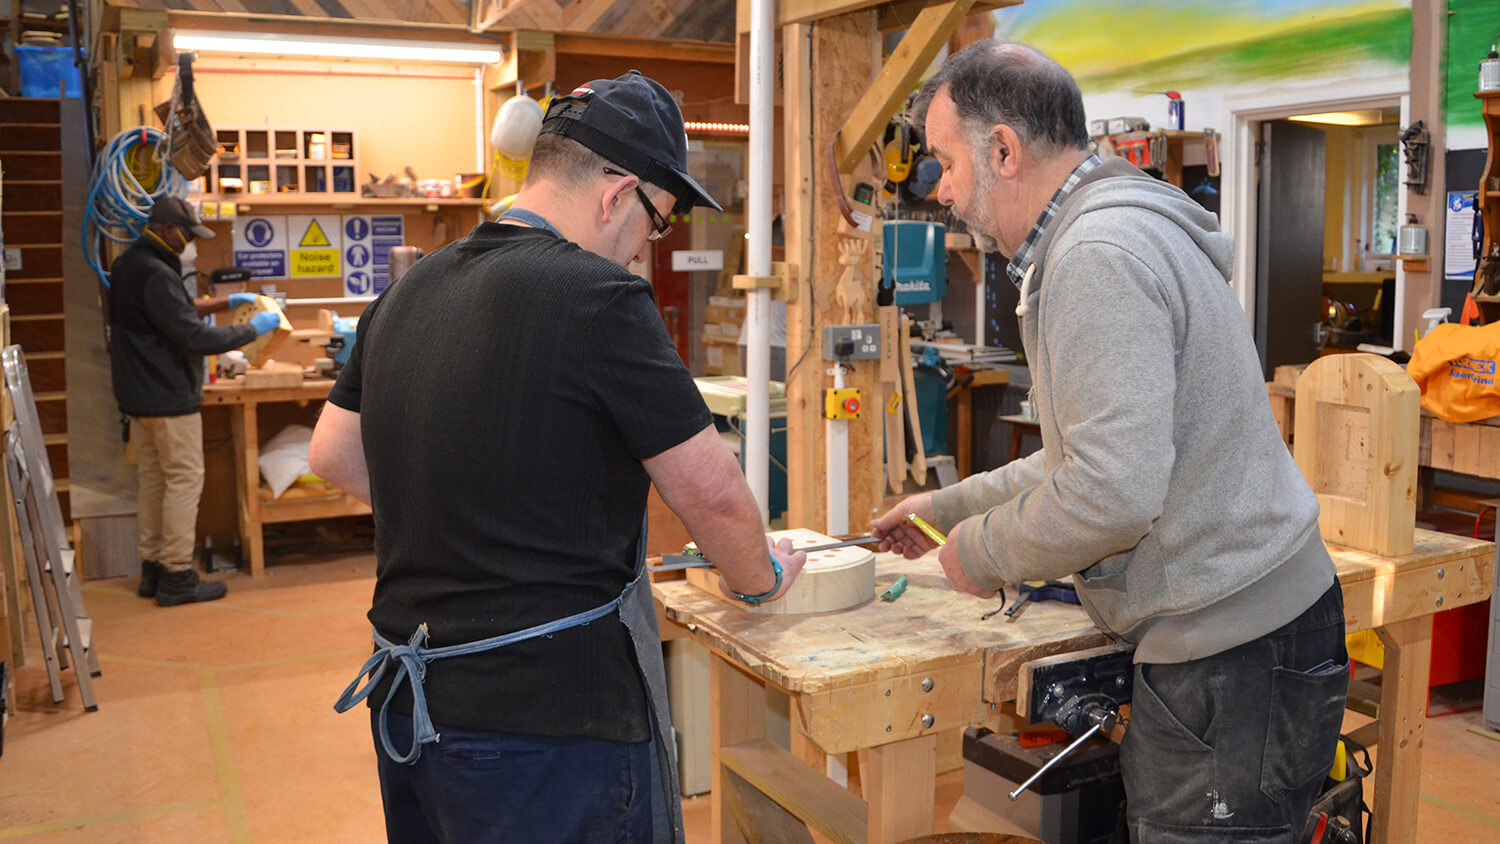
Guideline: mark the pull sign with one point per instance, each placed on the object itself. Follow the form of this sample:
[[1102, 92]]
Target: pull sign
[[685, 260]]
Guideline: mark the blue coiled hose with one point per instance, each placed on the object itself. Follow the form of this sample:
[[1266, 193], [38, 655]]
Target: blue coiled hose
[[118, 202]]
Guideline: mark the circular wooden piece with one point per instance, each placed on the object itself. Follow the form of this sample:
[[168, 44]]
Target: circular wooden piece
[[832, 580]]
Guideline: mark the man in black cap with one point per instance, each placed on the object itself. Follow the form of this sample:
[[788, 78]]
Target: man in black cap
[[157, 341], [505, 411]]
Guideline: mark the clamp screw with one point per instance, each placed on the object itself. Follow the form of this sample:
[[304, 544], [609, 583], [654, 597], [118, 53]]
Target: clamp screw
[[927, 684], [928, 721], [1057, 690]]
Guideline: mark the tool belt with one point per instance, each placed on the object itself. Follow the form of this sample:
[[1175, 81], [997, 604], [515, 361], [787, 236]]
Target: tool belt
[[191, 141]]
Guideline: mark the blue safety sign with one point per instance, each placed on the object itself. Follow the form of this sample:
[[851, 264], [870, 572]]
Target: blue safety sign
[[259, 231]]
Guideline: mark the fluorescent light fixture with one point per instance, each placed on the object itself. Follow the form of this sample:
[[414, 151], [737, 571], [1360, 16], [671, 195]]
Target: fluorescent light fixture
[[1364, 117], [717, 128], [242, 43]]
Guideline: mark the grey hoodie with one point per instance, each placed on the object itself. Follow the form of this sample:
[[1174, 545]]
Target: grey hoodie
[[1163, 483]]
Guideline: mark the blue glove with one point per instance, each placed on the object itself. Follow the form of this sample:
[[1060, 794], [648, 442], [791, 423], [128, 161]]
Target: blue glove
[[237, 299], [265, 321]]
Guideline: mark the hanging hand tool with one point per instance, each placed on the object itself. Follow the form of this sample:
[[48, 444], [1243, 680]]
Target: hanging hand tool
[[1042, 590]]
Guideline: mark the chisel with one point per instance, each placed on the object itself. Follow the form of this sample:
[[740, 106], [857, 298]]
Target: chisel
[[674, 562]]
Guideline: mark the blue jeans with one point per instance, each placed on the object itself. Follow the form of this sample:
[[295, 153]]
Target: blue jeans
[[496, 787], [1234, 747]]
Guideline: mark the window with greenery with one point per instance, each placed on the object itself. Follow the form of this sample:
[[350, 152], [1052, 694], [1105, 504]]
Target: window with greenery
[[1384, 220]]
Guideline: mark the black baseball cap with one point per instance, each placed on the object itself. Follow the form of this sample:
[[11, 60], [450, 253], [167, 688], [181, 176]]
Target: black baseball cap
[[175, 211], [631, 121]]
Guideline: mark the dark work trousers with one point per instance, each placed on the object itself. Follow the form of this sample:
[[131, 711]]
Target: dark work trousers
[[1233, 748], [471, 787]]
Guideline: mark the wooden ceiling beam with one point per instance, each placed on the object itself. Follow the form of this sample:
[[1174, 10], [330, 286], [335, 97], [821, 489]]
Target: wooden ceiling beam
[[889, 15], [900, 73], [647, 48]]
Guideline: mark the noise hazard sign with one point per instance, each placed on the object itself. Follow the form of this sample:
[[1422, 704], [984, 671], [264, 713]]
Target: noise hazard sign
[[319, 242]]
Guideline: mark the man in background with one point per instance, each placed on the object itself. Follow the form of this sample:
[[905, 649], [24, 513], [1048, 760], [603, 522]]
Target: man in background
[[157, 341]]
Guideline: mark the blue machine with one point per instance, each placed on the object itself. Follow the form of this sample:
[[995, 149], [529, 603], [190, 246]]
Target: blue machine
[[344, 331], [916, 261]]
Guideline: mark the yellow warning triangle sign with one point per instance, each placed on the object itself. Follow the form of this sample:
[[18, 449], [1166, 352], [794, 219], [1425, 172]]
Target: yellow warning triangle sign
[[314, 236]]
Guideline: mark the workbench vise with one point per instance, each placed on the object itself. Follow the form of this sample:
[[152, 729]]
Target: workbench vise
[[1077, 691], [1080, 692]]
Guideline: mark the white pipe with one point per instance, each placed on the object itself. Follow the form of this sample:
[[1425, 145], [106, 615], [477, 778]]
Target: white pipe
[[758, 260], [836, 431]]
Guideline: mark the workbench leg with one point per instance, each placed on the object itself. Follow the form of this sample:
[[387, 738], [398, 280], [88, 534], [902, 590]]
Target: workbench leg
[[245, 427], [738, 704], [963, 450], [900, 784], [1403, 710]]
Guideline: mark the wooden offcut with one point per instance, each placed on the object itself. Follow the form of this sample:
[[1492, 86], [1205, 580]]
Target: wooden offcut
[[273, 374], [1357, 430]]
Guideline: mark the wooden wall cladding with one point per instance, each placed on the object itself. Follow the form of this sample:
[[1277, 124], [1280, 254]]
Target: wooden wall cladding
[[37, 334], [32, 166], [34, 298], [36, 262], [53, 413], [31, 227]]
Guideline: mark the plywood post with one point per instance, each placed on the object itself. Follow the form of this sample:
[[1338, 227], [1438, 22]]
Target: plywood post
[[827, 67], [1357, 431], [1403, 706]]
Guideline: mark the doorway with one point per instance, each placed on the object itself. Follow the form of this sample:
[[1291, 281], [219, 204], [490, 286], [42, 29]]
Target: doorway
[[1243, 216]]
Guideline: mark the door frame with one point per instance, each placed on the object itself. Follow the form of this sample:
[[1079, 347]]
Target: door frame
[[1242, 117]]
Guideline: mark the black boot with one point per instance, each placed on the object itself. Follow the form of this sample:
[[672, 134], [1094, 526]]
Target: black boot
[[150, 577], [184, 587]]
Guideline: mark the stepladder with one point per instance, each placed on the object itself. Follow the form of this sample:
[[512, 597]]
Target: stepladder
[[63, 623]]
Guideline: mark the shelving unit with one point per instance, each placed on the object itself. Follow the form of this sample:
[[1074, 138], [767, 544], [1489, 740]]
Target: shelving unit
[[1487, 273], [254, 161]]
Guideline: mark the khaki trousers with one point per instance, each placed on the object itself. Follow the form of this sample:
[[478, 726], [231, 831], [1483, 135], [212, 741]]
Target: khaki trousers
[[169, 458]]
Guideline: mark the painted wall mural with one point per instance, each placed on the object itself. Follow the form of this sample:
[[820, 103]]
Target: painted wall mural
[[1125, 52], [1473, 26]]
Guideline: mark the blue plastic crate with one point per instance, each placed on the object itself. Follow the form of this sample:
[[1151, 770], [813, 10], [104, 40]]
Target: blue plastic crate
[[43, 68]]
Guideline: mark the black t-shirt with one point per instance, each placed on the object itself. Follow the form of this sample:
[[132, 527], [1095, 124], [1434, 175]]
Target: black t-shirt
[[508, 388], [157, 340]]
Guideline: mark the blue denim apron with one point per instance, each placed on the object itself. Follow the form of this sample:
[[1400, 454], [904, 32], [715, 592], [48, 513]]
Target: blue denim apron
[[636, 611]]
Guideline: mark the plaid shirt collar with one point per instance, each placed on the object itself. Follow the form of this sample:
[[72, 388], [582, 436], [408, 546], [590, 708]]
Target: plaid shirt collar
[[1016, 269]]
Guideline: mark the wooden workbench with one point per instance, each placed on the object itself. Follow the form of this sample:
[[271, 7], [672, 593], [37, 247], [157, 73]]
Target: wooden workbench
[[252, 513], [863, 679]]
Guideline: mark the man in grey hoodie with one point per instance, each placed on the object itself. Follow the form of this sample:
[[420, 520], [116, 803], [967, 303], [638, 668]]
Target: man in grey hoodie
[[1163, 486]]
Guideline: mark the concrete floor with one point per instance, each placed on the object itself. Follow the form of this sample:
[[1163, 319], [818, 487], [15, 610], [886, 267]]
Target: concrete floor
[[216, 723]]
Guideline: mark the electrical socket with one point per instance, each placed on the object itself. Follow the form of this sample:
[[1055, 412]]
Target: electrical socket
[[863, 340]]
